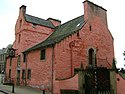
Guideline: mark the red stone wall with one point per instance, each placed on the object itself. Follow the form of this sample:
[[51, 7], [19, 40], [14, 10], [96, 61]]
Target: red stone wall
[[12, 67], [120, 84], [68, 54], [67, 84], [95, 34], [30, 36], [7, 67], [41, 70], [98, 38], [26, 36]]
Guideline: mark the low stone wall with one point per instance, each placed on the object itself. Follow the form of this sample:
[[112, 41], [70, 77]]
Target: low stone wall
[[120, 84], [67, 84]]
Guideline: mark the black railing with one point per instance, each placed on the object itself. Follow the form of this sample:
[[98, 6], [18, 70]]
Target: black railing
[[97, 81]]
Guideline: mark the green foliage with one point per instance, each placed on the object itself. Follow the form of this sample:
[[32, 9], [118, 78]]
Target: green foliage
[[124, 53]]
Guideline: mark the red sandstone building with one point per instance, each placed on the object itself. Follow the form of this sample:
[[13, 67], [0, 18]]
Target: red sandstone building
[[59, 57]]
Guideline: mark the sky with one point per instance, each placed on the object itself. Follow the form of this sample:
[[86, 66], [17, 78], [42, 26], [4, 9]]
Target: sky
[[63, 10]]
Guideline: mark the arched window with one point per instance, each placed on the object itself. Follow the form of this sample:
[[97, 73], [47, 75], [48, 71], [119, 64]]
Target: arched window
[[91, 56]]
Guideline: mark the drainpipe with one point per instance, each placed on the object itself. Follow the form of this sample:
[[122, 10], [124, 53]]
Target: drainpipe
[[5, 66], [71, 45], [25, 69], [71, 60], [52, 66]]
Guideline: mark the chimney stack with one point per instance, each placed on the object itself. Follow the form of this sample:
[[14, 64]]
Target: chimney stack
[[92, 10], [22, 10], [55, 22]]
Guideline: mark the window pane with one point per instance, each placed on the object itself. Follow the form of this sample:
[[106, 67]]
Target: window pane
[[29, 74], [24, 57], [23, 74], [42, 54]]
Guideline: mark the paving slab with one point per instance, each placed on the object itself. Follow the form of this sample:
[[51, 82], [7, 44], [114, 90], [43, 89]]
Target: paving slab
[[7, 89]]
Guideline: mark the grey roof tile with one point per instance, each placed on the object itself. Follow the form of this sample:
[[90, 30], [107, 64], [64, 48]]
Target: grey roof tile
[[38, 21], [5, 50]]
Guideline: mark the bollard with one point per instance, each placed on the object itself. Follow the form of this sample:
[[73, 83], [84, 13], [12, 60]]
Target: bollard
[[43, 91], [12, 87]]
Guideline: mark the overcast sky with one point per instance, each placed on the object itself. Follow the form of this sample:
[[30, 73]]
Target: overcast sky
[[63, 10]]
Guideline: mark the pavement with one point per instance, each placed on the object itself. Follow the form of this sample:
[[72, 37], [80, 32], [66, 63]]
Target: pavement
[[7, 89]]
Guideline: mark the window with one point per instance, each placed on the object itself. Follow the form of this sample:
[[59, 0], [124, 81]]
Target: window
[[29, 74], [9, 73], [23, 74], [3, 57], [78, 34], [90, 27], [24, 57], [91, 56], [42, 57]]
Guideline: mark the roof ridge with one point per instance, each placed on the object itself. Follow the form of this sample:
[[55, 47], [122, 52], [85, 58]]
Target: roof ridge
[[38, 21]]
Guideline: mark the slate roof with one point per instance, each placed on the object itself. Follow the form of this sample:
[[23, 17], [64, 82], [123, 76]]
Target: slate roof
[[5, 50], [38, 21], [61, 32]]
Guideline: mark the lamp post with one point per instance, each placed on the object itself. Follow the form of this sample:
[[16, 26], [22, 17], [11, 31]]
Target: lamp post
[[11, 55], [11, 52]]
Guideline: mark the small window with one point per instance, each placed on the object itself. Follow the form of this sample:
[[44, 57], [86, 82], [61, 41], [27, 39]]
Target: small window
[[29, 74], [78, 34], [19, 38], [9, 73], [42, 57], [75, 71], [90, 27], [23, 74], [24, 57]]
